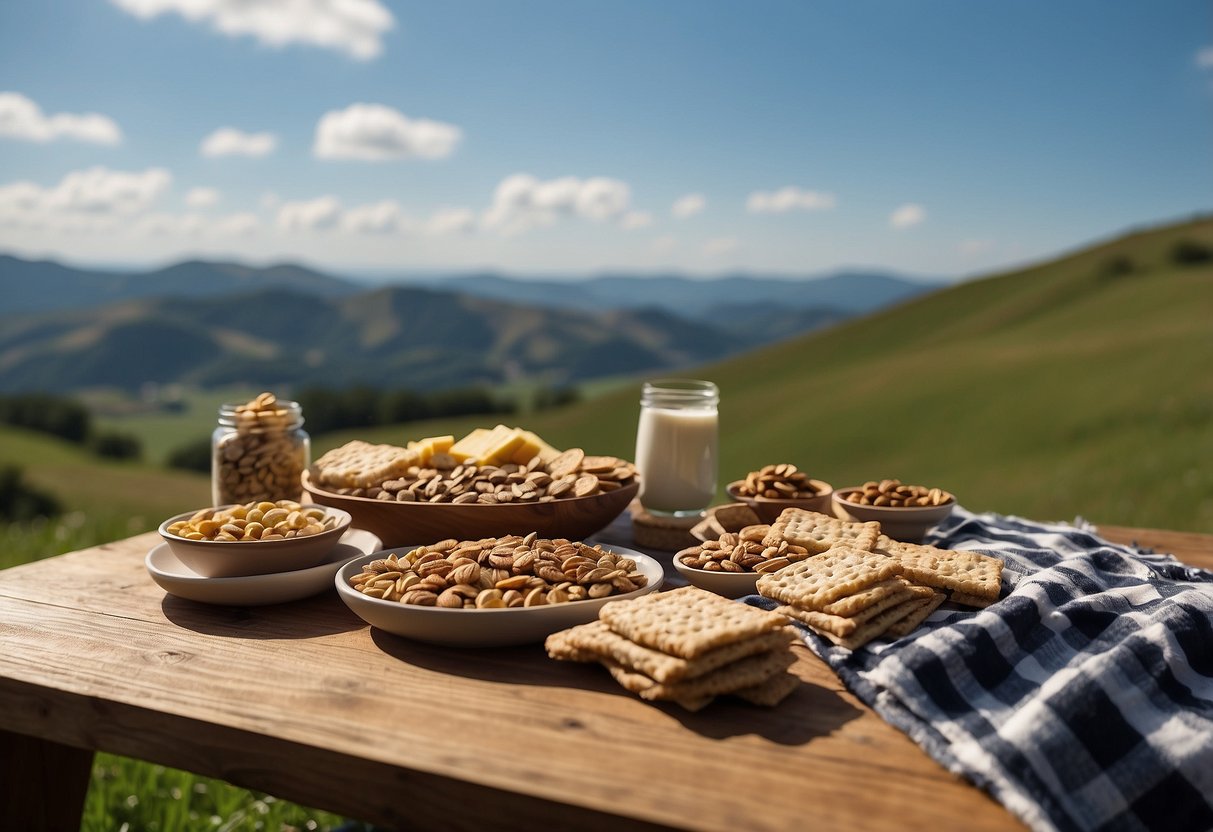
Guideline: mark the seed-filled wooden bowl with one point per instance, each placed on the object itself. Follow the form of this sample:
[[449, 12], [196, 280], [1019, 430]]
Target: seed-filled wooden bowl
[[402, 523], [906, 523], [768, 509]]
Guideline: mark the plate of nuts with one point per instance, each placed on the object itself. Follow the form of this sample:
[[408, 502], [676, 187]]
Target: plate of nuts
[[772, 488], [493, 591], [905, 512], [254, 538]]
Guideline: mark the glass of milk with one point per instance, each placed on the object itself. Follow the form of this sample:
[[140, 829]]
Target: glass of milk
[[676, 446]]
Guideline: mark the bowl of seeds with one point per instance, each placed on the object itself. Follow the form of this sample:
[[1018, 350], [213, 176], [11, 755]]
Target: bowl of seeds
[[905, 512], [255, 538], [772, 488]]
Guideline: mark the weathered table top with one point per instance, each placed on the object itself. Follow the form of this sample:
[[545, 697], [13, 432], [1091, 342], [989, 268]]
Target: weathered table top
[[306, 702]]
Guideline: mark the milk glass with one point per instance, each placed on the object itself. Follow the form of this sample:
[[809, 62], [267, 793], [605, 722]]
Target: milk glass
[[676, 446]]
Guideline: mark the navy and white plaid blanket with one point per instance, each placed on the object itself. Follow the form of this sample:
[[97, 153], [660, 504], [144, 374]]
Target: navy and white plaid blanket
[[1083, 700]]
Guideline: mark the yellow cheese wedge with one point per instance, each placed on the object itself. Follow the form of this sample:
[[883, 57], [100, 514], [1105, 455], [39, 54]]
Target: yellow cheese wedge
[[472, 445], [500, 446], [532, 445], [442, 444]]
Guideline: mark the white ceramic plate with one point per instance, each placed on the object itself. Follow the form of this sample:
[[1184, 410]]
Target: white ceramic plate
[[481, 628], [256, 590], [728, 584]]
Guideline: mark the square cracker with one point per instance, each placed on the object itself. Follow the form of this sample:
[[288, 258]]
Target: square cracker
[[874, 628], [818, 532], [845, 626], [851, 604], [812, 583], [966, 572], [595, 641], [770, 693], [912, 620], [970, 600], [741, 674], [687, 622]]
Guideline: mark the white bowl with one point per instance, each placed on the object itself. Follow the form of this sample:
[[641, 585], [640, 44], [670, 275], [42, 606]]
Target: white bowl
[[728, 584], [228, 559], [481, 628], [177, 579]]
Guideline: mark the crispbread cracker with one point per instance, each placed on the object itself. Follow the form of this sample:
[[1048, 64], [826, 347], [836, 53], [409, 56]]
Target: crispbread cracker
[[910, 623], [851, 604], [812, 583], [965, 572], [743, 673], [819, 532], [970, 600], [687, 622], [878, 626], [359, 464], [770, 693], [845, 626], [593, 641]]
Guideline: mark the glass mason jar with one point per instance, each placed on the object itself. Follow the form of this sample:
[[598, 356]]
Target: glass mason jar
[[259, 452], [676, 446]]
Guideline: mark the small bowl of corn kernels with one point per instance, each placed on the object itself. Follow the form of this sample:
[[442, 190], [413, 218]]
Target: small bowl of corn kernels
[[256, 538], [905, 512]]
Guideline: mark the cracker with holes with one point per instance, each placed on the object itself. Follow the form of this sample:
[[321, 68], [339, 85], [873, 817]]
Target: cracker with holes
[[687, 622], [869, 630], [975, 577], [743, 673], [819, 532], [843, 626], [813, 583]]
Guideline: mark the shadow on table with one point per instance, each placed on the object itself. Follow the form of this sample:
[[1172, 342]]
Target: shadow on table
[[319, 616], [809, 712]]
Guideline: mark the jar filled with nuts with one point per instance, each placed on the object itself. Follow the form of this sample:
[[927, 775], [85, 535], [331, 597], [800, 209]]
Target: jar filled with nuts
[[258, 451]]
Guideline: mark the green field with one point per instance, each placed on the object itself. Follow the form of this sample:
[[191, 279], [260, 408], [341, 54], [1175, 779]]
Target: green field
[[1069, 389]]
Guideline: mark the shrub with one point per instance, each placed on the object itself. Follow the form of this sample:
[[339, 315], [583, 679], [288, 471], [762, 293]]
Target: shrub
[[194, 456], [21, 501], [115, 445], [1191, 253]]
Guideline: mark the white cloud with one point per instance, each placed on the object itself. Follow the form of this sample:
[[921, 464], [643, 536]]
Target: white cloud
[[201, 197], [719, 246], [907, 216], [635, 219], [449, 221], [789, 198], [236, 225], [228, 141], [688, 206], [92, 198], [21, 118], [169, 225], [1204, 58], [310, 215], [377, 218], [522, 202], [355, 27], [664, 244], [373, 132]]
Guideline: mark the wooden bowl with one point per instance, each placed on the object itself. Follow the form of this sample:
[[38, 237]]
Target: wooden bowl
[[908, 524], [769, 509], [400, 524]]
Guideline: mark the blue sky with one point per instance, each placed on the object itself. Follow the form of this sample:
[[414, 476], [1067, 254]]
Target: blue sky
[[941, 138]]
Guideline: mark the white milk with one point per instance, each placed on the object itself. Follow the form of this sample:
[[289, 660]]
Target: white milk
[[676, 458]]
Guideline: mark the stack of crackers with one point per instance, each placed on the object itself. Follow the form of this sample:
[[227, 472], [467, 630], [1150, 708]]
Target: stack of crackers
[[862, 585], [686, 646]]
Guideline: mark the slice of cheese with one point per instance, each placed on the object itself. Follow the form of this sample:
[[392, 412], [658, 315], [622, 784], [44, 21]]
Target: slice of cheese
[[500, 446], [531, 446], [472, 445]]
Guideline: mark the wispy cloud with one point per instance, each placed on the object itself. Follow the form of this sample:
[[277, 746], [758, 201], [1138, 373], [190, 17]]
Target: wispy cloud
[[309, 215], [971, 248], [355, 27], [228, 141], [522, 202], [201, 197], [633, 220], [688, 206], [94, 198], [1204, 58], [373, 132], [22, 118], [907, 216], [385, 217], [789, 198], [720, 246]]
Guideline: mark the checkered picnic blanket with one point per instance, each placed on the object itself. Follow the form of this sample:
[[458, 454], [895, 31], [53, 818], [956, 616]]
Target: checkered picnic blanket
[[1083, 700]]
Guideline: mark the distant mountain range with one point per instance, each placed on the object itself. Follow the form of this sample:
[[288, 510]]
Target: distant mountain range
[[63, 328]]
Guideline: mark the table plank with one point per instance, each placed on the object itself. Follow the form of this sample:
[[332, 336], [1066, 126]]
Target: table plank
[[303, 700]]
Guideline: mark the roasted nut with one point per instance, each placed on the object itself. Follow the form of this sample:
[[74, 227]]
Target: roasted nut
[[233, 523], [895, 494], [263, 453], [778, 482]]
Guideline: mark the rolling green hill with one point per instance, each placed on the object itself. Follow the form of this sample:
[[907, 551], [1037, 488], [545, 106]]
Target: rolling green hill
[[1081, 386]]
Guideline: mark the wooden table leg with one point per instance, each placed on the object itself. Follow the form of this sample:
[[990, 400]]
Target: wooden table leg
[[43, 783]]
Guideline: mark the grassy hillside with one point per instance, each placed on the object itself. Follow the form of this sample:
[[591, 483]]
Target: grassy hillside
[[1065, 389]]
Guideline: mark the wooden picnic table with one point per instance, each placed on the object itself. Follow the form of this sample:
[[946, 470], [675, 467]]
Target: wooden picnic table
[[306, 702]]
